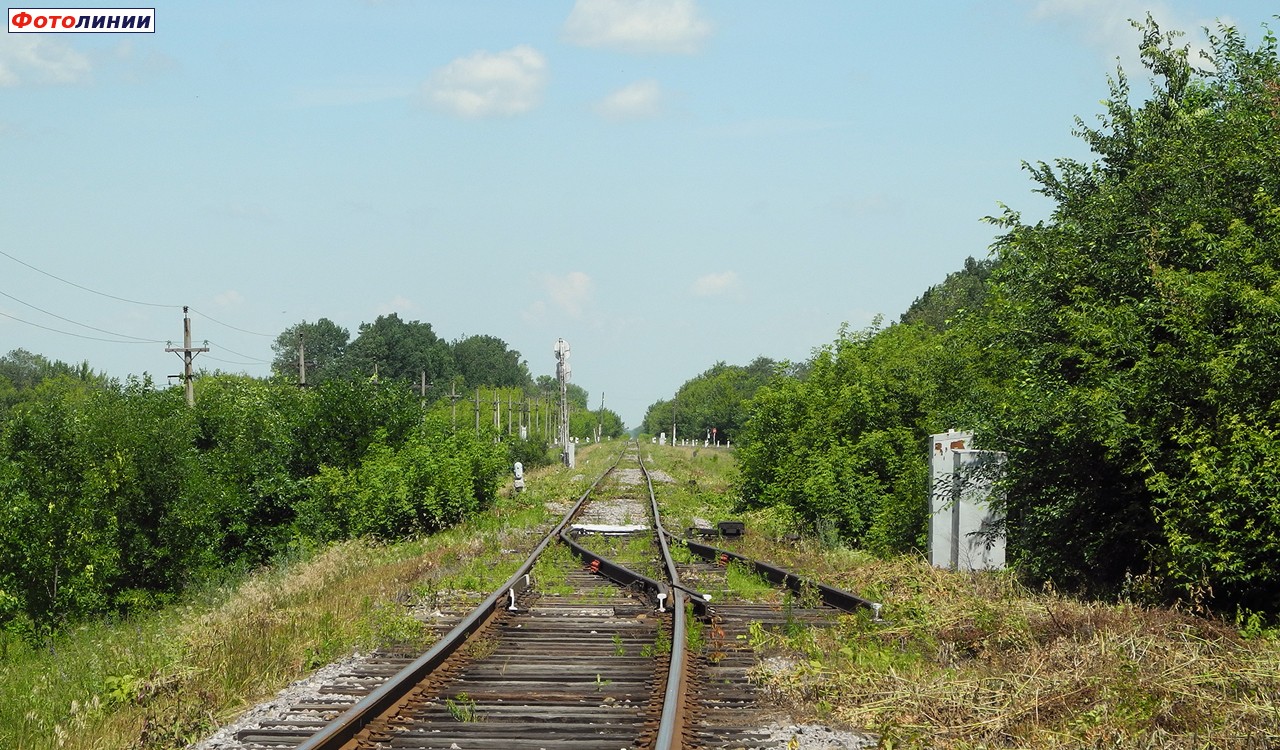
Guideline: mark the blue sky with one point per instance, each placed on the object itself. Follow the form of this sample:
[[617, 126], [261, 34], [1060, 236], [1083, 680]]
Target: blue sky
[[663, 183]]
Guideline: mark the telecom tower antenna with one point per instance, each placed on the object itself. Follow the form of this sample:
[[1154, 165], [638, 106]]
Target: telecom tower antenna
[[563, 371]]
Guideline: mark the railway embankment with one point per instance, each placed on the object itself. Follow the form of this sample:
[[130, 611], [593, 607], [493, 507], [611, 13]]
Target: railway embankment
[[959, 660]]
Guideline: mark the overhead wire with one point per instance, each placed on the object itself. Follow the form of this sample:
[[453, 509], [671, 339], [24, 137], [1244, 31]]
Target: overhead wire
[[85, 288], [238, 354], [229, 361], [77, 335], [120, 299], [209, 317], [138, 339]]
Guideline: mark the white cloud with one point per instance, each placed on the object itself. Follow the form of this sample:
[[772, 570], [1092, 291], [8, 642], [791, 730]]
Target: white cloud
[[1106, 24], [569, 293], [536, 312], [637, 26], [487, 84], [716, 284], [27, 59], [229, 298], [639, 100], [397, 304]]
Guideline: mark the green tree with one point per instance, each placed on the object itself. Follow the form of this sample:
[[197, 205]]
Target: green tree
[[57, 488], [584, 423], [843, 446], [962, 291], [433, 478], [94, 483], [486, 360], [1146, 318], [714, 400], [113, 497], [342, 417], [247, 440], [325, 343], [399, 350], [21, 371], [25, 370]]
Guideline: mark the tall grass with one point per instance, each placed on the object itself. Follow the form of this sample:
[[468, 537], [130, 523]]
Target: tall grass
[[166, 678], [976, 660]]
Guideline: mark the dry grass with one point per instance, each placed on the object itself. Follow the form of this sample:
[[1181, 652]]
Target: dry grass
[[164, 679], [977, 661], [168, 678], [965, 661], [971, 661]]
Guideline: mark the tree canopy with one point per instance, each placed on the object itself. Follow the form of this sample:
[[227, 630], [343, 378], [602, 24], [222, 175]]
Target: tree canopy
[[1146, 314], [399, 350], [715, 399], [324, 342], [486, 360], [1124, 352], [962, 291]]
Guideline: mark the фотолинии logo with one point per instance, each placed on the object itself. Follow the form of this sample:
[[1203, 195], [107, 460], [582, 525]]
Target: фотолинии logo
[[82, 20]]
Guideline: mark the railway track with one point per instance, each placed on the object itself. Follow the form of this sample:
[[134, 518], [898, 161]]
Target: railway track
[[584, 647]]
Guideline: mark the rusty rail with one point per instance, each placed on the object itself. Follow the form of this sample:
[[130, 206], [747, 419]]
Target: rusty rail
[[671, 726], [348, 725], [830, 595]]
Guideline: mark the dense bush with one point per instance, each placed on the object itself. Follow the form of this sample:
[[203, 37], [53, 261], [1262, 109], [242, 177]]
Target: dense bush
[[116, 496], [1124, 353], [843, 446], [432, 479], [1146, 316]]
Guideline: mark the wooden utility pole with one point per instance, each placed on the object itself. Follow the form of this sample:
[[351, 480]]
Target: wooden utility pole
[[188, 353], [302, 361], [453, 402]]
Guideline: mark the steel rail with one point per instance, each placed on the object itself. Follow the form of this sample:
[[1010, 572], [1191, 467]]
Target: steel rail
[[344, 728], [830, 595], [628, 578], [671, 725]]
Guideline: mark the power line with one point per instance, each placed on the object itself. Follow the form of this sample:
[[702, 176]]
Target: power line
[[138, 339], [238, 354], [124, 299], [77, 335], [229, 361], [85, 288], [228, 325]]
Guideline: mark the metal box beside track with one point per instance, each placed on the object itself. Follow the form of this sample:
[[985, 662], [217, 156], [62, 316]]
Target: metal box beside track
[[965, 533]]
